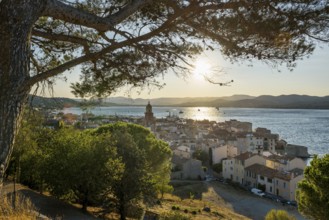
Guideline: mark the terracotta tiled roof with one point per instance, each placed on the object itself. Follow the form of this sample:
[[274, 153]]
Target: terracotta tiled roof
[[279, 158], [272, 173], [178, 160], [244, 156]]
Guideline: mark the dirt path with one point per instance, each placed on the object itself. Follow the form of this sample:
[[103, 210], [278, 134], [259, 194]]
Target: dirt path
[[244, 202], [48, 206]]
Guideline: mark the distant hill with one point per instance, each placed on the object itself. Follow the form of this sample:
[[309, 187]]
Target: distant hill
[[237, 101], [237, 97], [157, 101], [283, 101], [53, 102]]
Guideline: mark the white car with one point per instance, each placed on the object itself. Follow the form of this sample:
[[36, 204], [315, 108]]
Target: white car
[[257, 192]]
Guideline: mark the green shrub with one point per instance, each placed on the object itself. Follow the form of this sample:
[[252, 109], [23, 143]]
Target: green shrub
[[175, 208], [217, 167], [278, 214]]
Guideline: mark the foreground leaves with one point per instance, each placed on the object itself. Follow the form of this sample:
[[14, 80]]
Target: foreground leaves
[[313, 192]]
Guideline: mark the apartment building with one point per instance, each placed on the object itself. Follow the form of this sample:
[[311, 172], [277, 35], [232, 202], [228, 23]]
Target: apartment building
[[284, 163], [280, 183], [222, 152], [238, 164]]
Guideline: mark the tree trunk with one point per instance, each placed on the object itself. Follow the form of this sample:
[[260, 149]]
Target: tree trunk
[[122, 210], [85, 201], [16, 20]]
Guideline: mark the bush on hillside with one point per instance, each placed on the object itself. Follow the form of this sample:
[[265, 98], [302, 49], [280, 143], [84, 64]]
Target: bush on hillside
[[278, 214]]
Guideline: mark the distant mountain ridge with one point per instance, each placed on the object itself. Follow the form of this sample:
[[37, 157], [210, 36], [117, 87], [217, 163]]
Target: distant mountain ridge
[[237, 101], [173, 101], [52, 102], [266, 101]]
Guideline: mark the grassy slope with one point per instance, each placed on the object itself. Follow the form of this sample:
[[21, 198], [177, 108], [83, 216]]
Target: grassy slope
[[190, 196], [194, 197], [24, 209]]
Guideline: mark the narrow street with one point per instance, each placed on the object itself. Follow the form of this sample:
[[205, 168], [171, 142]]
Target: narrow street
[[243, 202]]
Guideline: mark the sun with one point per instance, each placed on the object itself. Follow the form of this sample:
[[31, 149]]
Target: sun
[[201, 68]]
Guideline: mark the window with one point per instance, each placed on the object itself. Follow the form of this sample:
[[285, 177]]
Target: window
[[277, 182], [261, 177], [284, 184], [269, 180], [270, 188]]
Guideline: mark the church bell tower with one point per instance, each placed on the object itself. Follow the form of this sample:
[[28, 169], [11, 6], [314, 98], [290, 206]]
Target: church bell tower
[[149, 120]]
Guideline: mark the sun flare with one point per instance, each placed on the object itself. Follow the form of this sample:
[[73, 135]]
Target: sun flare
[[201, 68]]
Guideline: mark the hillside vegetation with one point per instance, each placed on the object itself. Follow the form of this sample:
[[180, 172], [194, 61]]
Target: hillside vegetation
[[24, 209], [193, 209]]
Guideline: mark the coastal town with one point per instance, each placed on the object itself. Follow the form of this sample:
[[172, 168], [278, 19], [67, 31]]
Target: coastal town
[[251, 158]]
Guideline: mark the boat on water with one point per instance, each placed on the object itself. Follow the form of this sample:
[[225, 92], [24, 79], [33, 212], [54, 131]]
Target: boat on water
[[181, 112]]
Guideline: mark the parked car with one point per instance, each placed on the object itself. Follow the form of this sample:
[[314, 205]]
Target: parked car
[[272, 197], [257, 192], [292, 203]]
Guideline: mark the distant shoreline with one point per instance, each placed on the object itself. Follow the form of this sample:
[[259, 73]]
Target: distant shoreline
[[179, 106]]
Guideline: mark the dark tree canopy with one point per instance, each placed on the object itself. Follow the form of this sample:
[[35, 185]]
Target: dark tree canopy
[[119, 165], [145, 161], [123, 42], [130, 42], [201, 155], [313, 191]]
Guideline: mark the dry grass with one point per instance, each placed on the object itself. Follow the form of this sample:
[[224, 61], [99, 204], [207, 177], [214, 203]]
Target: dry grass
[[193, 209], [187, 202], [24, 209]]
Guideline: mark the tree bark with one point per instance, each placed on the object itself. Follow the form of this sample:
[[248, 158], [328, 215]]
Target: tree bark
[[122, 210], [16, 20], [122, 206]]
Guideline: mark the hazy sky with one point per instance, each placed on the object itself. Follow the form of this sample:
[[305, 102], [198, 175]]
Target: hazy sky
[[310, 77]]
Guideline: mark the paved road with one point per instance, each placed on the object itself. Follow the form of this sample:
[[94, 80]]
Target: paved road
[[48, 206], [245, 203]]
